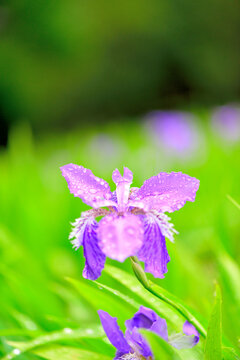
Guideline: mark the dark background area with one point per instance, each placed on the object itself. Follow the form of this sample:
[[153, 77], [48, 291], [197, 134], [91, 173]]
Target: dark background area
[[67, 63]]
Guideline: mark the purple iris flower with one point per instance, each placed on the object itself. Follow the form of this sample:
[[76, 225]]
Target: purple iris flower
[[132, 220], [132, 345], [226, 122], [176, 131]]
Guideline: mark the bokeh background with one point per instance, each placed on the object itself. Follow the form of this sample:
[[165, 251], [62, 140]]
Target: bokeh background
[[111, 84]]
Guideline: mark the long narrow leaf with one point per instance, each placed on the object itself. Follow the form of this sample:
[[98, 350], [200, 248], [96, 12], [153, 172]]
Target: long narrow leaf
[[170, 305], [213, 348], [65, 334], [68, 353]]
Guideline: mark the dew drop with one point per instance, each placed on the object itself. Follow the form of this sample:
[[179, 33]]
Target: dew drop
[[16, 352], [67, 330], [93, 191], [130, 231]]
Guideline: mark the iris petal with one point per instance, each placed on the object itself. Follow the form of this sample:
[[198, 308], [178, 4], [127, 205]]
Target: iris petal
[[123, 187], [84, 184], [113, 332], [146, 318], [84, 233], [95, 259], [188, 339], [120, 236], [154, 251], [138, 344], [167, 192]]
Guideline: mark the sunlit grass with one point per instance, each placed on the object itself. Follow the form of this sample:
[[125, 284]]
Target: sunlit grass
[[36, 257]]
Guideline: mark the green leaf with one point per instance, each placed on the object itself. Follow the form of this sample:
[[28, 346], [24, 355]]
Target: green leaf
[[20, 332], [100, 299], [169, 307], [143, 296], [65, 334], [177, 304], [163, 350], [233, 201], [55, 352], [231, 272], [118, 294], [213, 347], [165, 296], [230, 354], [160, 348]]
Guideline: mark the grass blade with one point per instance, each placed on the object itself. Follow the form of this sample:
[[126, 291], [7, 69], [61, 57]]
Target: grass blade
[[213, 347]]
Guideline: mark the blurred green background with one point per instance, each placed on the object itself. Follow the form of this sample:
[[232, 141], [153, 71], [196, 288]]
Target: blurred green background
[[77, 78], [65, 62]]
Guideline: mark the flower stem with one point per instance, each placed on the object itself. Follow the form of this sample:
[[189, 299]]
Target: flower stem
[[165, 296]]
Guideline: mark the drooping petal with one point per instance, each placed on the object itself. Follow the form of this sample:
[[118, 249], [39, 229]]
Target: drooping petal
[[189, 329], [159, 327], [113, 332], [138, 344], [167, 192], [144, 318], [120, 236], [84, 233], [154, 251], [188, 339], [95, 259], [84, 184], [123, 187], [147, 319]]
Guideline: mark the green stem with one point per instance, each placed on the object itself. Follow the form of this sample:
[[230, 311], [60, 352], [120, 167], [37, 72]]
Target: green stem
[[165, 296]]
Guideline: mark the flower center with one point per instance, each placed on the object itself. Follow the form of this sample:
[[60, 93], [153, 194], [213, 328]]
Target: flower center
[[123, 184], [135, 356]]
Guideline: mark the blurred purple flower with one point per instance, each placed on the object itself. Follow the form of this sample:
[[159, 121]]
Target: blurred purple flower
[[176, 131], [133, 221], [132, 345], [226, 122]]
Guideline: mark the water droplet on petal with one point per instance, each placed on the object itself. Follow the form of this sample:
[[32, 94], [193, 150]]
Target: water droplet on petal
[[93, 191]]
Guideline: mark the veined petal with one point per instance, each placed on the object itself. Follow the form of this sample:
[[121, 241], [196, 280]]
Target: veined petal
[[138, 344], [84, 233], [84, 184], [147, 319], [189, 329], [126, 177], [159, 327], [113, 332], [144, 318], [123, 187], [76, 235], [154, 251], [167, 228], [120, 236], [122, 356], [167, 192], [188, 339], [95, 259]]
